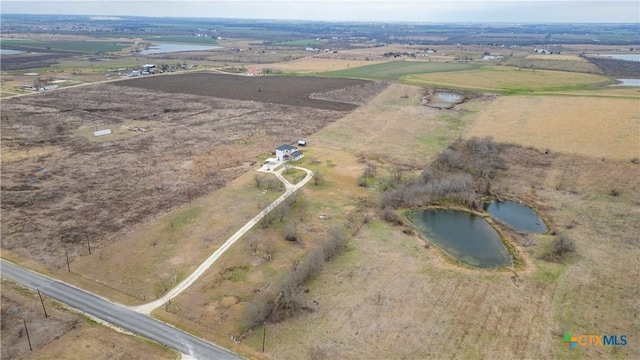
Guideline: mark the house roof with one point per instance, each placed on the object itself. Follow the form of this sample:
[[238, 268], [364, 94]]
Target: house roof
[[296, 154], [286, 147]]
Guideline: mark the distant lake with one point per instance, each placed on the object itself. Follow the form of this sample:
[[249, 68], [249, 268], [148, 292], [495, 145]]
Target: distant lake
[[629, 82], [627, 57], [10, 52], [167, 48]]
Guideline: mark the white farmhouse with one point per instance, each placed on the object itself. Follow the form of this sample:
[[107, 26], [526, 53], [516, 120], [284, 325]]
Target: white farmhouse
[[287, 152]]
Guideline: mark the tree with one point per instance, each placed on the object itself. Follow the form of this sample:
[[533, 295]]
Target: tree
[[317, 178]]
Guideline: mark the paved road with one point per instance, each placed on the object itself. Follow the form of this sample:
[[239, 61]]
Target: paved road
[[184, 285], [116, 314]]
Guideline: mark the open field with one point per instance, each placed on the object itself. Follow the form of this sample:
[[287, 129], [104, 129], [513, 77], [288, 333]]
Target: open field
[[64, 334], [508, 80], [299, 43], [596, 127], [278, 90], [394, 70], [393, 127], [182, 39], [571, 63], [316, 64], [60, 187], [89, 47], [389, 296]]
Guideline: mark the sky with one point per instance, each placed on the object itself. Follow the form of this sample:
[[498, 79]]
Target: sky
[[507, 11]]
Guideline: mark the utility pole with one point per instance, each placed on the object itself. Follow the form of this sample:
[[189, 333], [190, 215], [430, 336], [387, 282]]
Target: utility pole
[[42, 301], [264, 335], [27, 331], [66, 252], [88, 245]]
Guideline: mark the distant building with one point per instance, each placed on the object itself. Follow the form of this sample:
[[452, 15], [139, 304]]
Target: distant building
[[302, 142]]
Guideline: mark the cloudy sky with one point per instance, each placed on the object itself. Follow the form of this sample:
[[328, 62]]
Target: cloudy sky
[[352, 10]]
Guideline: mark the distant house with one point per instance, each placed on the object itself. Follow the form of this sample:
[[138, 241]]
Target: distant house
[[252, 71], [287, 152]]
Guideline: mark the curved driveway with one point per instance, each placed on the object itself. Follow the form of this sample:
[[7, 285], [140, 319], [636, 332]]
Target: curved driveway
[[184, 285]]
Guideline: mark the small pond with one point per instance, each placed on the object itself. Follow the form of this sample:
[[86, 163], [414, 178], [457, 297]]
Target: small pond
[[10, 52], [445, 100], [167, 48], [629, 82], [466, 237], [517, 216], [627, 57]]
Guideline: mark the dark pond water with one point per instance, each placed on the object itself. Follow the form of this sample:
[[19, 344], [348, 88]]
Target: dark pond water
[[517, 216], [466, 237]]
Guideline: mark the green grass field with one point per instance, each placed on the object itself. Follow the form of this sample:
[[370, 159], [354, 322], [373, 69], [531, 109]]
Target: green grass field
[[509, 80], [299, 43], [182, 39], [88, 47], [394, 70]]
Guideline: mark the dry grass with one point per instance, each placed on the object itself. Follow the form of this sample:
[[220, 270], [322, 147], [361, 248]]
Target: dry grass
[[597, 127], [507, 79], [394, 127], [165, 251], [557, 57], [64, 334], [214, 306], [316, 64], [388, 297]]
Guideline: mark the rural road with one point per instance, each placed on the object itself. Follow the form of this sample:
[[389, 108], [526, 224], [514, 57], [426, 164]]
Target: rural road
[[184, 285], [116, 314]]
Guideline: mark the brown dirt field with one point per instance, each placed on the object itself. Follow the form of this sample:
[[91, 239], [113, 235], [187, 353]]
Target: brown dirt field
[[268, 89], [64, 334], [103, 189], [597, 127]]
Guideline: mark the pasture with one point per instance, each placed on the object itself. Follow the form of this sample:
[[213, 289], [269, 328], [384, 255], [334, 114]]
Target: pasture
[[595, 127], [316, 64], [394, 70], [508, 80], [77, 46], [182, 39]]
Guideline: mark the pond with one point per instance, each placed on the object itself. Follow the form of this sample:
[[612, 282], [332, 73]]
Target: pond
[[10, 52], [466, 237], [445, 100], [627, 57], [629, 82], [167, 48], [517, 216]]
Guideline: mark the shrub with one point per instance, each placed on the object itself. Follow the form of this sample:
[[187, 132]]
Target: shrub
[[558, 250], [290, 231]]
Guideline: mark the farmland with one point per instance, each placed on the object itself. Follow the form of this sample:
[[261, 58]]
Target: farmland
[[396, 69], [186, 151], [182, 39], [77, 46], [278, 90], [586, 124], [176, 178], [509, 80], [299, 43]]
